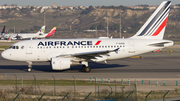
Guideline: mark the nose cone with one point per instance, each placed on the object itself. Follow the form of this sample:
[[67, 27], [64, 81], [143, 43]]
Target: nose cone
[[4, 54]]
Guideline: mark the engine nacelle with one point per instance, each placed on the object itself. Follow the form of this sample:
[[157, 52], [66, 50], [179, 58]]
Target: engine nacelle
[[60, 63]]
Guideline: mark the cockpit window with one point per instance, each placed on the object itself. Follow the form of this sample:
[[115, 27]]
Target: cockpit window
[[10, 47], [14, 47], [17, 47]]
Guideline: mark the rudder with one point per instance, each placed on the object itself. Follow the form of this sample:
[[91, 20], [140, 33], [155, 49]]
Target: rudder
[[154, 27]]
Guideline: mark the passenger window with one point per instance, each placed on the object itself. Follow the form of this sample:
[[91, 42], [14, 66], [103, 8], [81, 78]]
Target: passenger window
[[13, 47]]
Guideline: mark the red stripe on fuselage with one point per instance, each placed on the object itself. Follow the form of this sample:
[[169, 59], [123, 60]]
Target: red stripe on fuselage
[[98, 42], [160, 27]]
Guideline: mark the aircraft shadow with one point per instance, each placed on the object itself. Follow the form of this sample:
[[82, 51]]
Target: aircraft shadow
[[47, 68]]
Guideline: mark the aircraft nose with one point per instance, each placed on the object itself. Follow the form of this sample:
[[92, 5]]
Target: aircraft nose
[[4, 54]]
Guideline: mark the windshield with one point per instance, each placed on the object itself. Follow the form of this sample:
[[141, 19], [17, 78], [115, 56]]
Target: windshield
[[16, 47]]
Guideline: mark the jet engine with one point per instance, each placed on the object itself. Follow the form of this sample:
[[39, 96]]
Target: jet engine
[[60, 63]]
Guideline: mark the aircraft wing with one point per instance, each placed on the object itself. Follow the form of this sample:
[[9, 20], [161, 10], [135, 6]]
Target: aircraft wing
[[94, 53], [90, 55]]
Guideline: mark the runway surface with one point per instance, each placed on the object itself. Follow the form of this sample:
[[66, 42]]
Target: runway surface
[[148, 67]]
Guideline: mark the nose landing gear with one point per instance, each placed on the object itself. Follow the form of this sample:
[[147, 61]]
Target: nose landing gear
[[29, 66]]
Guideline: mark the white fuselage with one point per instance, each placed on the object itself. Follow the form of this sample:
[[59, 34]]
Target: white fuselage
[[25, 35], [31, 35], [44, 50]]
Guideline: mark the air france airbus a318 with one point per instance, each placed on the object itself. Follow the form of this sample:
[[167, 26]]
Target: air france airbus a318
[[64, 53]]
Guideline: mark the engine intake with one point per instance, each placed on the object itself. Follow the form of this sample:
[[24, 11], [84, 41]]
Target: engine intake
[[60, 63]]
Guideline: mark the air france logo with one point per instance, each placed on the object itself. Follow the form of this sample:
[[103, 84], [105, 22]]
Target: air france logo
[[65, 43]]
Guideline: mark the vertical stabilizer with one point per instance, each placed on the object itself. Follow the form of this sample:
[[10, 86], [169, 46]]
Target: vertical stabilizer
[[41, 31], [3, 31], [154, 27], [51, 32]]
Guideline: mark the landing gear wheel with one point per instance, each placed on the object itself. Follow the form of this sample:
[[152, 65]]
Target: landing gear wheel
[[29, 66], [87, 69], [83, 67], [29, 69]]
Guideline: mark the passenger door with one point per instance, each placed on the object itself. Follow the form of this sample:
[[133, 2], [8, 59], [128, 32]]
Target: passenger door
[[28, 48], [131, 47]]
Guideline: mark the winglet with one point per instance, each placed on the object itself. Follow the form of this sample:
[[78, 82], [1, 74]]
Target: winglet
[[116, 50]]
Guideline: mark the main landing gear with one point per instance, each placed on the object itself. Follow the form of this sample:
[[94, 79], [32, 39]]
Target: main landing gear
[[86, 68], [29, 66]]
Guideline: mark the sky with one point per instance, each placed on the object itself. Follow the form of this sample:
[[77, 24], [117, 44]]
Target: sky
[[83, 2]]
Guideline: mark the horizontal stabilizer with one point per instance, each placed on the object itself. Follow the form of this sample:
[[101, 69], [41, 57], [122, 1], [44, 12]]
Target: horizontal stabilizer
[[159, 44]]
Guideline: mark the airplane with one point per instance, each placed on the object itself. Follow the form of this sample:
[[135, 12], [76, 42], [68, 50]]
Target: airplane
[[39, 34], [2, 33], [14, 36], [64, 53]]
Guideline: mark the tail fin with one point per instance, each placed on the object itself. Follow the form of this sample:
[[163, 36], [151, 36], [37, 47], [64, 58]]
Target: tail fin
[[154, 27], [51, 32], [41, 31], [3, 31]]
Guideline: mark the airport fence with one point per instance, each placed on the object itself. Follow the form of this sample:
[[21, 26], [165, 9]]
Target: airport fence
[[67, 90], [92, 89]]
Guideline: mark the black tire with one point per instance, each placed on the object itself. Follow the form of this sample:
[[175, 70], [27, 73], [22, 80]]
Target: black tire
[[83, 67], [87, 69]]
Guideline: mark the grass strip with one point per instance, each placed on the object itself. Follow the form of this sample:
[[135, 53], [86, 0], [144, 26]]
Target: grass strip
[[57, 83]]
